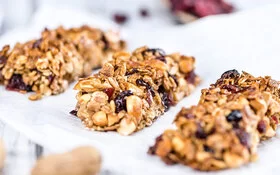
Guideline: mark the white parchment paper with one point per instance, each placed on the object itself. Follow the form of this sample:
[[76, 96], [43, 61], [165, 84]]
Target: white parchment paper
[[245, 41]]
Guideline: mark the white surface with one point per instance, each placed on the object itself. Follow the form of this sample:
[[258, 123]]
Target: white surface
[[246, 41]]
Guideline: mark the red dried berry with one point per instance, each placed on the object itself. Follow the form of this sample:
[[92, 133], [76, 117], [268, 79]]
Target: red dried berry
[[120, 18], [275, 119], [201, 8], [261, 126], [149, 88], [109, 92]]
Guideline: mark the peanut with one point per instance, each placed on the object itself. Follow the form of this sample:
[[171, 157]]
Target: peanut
[[84, 160]]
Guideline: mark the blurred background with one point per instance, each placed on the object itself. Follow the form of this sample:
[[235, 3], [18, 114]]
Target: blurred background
[[126, 13]]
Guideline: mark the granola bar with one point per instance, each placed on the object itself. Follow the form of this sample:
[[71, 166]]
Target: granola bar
[[225, 128], [132, 90], [47, 65]]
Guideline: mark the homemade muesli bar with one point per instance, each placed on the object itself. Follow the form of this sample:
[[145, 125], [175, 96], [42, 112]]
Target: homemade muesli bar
[[132, 90], [47, 65], [224, 129]]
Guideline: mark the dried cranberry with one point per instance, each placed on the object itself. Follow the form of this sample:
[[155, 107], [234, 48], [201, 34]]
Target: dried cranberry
[[16, 84], [37, 43], [74, 112], [120, 18], [243, 137], [201, 8], [275, 119], [230, 74], [3, 60], [133, 71], [234, 116], [149, 88], [261, 126], [144, 12], [190, 77], [200, 133], [120, 100], [109, 92]]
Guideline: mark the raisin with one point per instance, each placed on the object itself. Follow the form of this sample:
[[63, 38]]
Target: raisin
[[167, 101], [208, 149], [261, 126], [234, 116], [133, 71], [120, 100], [37, 43], [243, 137], [190, 77], [230, 74], [156, 50], [149, 88], [174, 78], [51, 78], [232, 88], [120, 18], [16, 84], [74, 112], [109, 92], [200, 133], [144, 12], [161, 58]]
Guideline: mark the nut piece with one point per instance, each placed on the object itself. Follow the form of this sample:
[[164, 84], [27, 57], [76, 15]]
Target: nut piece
[[126, 127], [100, 118], [84, 160], [134, 107]]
